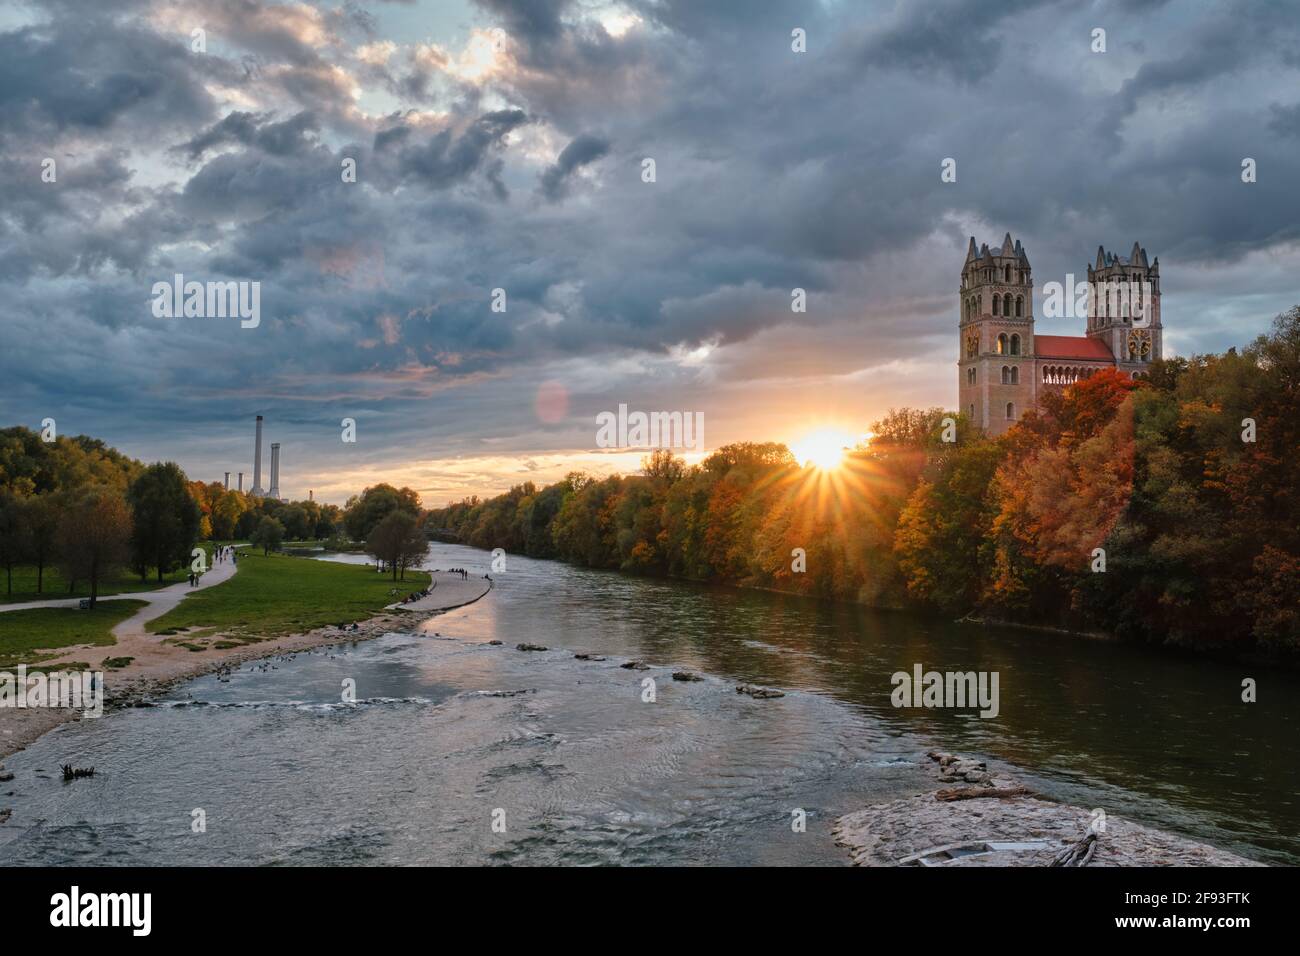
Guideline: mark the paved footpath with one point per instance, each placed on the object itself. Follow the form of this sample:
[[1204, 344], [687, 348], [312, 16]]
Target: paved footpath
[[158, 602]]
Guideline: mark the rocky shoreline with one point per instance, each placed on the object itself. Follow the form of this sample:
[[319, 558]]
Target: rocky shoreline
[[980, 818]]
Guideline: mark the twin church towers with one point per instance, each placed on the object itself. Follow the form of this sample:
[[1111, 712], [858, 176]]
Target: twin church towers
[[1003, 366]]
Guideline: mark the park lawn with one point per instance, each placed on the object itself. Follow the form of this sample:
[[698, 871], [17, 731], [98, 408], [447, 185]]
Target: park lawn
[[274, 595], [24, 634], [55, 587]]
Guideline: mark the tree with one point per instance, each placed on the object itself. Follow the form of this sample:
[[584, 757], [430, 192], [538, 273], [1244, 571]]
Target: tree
[[398, 542], [269, 535], [365, 511], [166, 519], [12, 544], [226, 512], [297, 524], [94, 537], [40, 517]]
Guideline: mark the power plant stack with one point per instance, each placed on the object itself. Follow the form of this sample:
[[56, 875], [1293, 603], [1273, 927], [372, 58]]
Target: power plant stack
[[275, 471], [241, 482], [257, 462], [227, 481]]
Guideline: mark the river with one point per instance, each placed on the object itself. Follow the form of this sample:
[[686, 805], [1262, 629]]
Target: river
[[451, 735]]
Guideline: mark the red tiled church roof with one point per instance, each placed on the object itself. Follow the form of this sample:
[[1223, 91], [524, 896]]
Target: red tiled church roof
[[1071, 347]]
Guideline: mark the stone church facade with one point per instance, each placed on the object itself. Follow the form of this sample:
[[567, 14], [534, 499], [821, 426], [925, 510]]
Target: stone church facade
[[1003, 366]]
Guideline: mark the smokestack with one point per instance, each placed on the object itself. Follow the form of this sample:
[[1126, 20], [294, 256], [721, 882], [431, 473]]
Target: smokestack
[[257, 462], [241, 481], [227, 481], [275, 471], [311, 495]]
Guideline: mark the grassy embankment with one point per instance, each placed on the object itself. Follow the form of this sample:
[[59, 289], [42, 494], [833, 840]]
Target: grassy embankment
[[276, 595], [54, 587], [31, 636]]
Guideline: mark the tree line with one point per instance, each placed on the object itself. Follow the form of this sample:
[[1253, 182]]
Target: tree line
[[1165, 509], [90, 512]]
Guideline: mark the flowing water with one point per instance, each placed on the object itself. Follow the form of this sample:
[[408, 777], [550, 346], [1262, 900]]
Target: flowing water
[[451, 734]]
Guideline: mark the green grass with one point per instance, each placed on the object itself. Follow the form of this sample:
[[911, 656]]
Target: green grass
[[54, 587], [276, 595], [25, 634]]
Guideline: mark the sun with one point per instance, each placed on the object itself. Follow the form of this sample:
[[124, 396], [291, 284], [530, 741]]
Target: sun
[[824, 448]]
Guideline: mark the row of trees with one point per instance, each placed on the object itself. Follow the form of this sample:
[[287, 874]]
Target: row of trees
[[1166, 510], [88, 511], [230, 515]]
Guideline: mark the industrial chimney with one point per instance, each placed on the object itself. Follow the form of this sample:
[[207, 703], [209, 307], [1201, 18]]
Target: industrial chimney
[[275, 471], [257, 462], [227, 481]]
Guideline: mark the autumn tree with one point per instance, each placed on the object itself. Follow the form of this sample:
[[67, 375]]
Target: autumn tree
[[94, 537]]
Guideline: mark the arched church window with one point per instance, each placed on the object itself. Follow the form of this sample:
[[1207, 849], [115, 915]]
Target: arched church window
[[1002, 344], [1011, 411], [1020, 306], [1015, 344], [1006, 275], [1006, 375], [997, 302], [1015, 375], [1006, 306]]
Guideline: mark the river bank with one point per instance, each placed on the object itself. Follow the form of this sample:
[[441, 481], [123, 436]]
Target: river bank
[[991, 818], [157, 664]]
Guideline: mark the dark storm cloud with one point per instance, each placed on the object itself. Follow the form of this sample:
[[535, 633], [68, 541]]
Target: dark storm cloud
[[581, 151], [85, 75], [775, 170], [532, 21], [962, 39], [278, 139]]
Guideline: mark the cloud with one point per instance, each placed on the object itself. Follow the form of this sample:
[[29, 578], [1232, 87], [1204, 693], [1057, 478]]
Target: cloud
[[582, 151], [483, 169]]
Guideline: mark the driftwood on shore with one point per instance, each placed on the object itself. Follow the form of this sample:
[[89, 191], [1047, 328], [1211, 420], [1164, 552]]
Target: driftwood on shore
[[974, 793], [1079, 853]]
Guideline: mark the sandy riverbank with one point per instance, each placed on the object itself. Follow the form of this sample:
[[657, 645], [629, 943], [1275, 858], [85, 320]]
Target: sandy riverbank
[[156, 665]]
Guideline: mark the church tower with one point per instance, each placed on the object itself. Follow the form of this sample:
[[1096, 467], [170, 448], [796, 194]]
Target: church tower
[[1124, 308], [996, 382]]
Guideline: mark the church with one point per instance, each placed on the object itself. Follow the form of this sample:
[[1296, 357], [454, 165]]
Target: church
[[1003, 367]]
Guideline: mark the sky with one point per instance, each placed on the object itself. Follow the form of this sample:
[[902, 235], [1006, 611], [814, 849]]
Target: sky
[[501, 144]]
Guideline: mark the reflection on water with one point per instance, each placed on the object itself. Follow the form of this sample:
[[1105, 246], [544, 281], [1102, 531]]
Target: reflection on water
[[448, 728]]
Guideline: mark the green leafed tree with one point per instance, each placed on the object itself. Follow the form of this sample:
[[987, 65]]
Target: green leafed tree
[[268, 535], [398, 542], [165, 518]]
